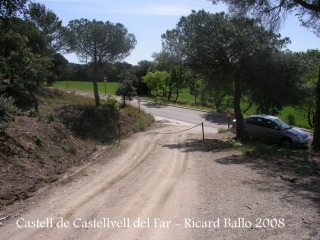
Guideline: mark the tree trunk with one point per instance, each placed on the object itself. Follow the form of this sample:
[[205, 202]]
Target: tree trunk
[[237, 110], [95, 86], [170, 92], [310, 119], [316, 134], [177, 94]]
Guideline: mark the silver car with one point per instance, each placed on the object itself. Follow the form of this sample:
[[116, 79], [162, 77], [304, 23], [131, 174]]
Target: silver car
[[272, 129]]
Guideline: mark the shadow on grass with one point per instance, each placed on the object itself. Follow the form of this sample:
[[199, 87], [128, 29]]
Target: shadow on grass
[[298, 169]]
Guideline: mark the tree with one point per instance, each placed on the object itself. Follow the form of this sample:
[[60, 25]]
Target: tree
[[310, 59], [272, 12], [178, 78], [9, 8], [218, 87], [48, 23], [141, 70], [275, 81], [163, 61], [101, 42], [126, 87], [168, 61], [308, 12], [25, 68], [156, 80], [196, 87], [218, 41]]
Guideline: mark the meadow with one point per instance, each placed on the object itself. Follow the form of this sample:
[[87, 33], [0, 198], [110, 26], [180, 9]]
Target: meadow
[[87, 86], [185, 99]]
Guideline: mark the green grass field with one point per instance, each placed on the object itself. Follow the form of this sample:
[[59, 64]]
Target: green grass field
[[185, 99], [87, 86]]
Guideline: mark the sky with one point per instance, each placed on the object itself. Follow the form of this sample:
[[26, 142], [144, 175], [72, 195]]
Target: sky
[[149, 19]]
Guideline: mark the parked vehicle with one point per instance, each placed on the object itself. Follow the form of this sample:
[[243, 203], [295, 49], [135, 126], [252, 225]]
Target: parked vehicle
[[274, 130]]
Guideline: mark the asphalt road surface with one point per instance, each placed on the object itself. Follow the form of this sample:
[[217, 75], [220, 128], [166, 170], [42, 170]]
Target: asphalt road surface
[[209, 119]]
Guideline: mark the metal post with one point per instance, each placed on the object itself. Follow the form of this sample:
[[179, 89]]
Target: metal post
[[202, 132]]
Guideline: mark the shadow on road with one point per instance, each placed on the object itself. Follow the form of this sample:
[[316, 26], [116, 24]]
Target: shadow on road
[[216, 118], [298, 169], [197, 145], [154, 105]]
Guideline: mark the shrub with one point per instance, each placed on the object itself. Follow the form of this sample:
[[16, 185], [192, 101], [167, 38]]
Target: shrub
[[7, 105], [291, 119], [110, 102], [38, 141]]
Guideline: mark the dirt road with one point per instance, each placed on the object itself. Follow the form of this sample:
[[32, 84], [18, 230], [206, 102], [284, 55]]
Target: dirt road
[[166, 184]]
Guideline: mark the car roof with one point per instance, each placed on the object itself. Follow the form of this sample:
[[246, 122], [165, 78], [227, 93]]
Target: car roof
[[264, 116]]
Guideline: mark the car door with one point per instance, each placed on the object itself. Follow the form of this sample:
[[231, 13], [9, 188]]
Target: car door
[[271, 132], [253, 127]]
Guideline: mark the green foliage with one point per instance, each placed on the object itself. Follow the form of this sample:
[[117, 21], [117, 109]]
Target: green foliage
[[38, 141], [34, 114], [9, 8], [291, 119], [7, 106], [82, 33], [48, 23], [156, 81], [72, 149], [196, 87], [126, 87], [110, 102], [126, 90], [279, 81], [51, 118], [19, 164], [25, 68]]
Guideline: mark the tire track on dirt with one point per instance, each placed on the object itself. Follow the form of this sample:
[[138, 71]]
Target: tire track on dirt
[[162, 195], [138, 153], [145, 196], [146, 181]]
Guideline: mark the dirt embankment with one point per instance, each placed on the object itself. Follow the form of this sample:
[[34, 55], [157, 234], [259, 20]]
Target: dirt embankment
[[35, 151]]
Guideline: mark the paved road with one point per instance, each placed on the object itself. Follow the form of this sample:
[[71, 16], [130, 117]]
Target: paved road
[[214, 120], [210, 120]]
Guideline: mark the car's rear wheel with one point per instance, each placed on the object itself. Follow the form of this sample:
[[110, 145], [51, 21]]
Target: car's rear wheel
[[286, 143]]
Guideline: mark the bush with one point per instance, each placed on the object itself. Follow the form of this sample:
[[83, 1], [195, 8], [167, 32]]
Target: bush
[[7, 106], [110, 102], [291, 119]]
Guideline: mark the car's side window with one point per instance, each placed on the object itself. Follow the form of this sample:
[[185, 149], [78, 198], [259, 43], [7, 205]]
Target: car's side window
[[251, 121], [255, 121], [259, 122], [269, 124]]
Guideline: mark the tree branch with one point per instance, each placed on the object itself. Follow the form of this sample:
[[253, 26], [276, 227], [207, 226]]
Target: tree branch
[[312, 7]]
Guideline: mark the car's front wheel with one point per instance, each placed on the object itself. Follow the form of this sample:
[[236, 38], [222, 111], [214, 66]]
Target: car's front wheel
[[286, 143]]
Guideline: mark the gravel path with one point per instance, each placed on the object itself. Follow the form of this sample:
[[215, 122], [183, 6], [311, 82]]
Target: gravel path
[[167, 184]]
